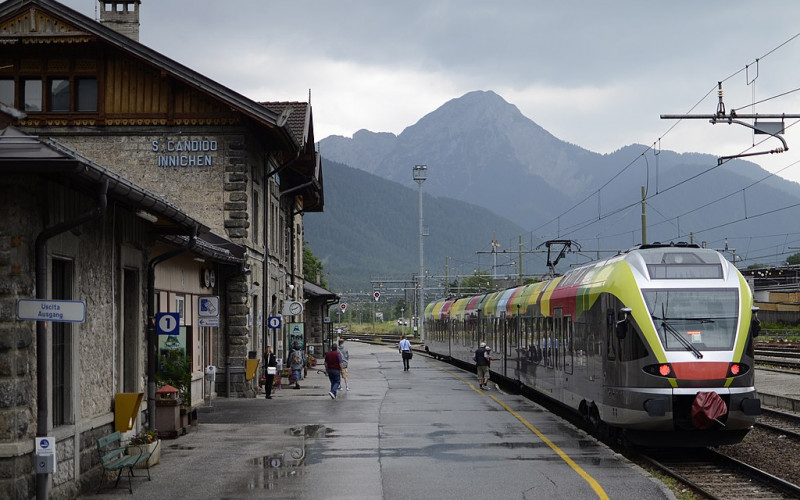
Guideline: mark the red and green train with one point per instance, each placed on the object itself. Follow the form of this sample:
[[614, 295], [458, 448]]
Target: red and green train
[[654, 345]]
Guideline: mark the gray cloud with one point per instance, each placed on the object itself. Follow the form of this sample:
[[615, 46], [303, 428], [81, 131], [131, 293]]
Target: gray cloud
[[597, 74]]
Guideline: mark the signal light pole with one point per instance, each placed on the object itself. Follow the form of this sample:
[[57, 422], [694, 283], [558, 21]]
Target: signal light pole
[[420, 174]]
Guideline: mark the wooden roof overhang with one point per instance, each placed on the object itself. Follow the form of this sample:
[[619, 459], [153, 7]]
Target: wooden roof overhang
[[303, 177], [78, 28]]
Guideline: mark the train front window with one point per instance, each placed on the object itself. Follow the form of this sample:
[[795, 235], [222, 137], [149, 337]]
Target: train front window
[[694, 319]]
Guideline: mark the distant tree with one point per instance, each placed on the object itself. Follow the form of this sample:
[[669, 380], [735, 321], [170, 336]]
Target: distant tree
[[793, 260], [479, 282], [756, 266], [401, 308], [312, 267]]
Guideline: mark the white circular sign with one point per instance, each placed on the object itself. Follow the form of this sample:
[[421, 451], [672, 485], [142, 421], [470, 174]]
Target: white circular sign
[[274, 322], [167, 323]]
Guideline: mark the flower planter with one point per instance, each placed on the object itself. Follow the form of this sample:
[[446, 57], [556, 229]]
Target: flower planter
[[153, 448]]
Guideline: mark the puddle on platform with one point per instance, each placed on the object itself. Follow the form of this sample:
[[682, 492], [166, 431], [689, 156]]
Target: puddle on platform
[[288, 462], [180, 447]]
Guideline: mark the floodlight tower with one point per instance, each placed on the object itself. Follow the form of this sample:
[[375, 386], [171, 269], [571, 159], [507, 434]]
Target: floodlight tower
[[420, 174]]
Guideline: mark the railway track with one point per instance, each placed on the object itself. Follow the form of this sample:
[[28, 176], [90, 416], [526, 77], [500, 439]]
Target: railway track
[[719, 477], [782, 357], [780, 421]]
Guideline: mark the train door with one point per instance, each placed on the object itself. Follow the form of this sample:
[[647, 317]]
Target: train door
[[503, 346], [558, 338], [568, 360]]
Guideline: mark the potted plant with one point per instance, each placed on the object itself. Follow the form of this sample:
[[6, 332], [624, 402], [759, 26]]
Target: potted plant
[[145, 442]]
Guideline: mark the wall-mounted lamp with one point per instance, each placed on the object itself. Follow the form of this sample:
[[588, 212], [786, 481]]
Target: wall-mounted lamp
[[146, 216]]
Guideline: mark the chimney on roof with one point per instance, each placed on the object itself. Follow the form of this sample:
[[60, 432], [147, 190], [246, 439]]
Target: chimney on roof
[[121, 16]]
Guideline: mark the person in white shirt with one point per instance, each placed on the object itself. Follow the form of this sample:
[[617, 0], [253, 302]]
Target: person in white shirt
[[345, 359], [405, 351]]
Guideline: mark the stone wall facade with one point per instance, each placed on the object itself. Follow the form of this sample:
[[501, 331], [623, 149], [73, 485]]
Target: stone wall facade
[[90, 377]]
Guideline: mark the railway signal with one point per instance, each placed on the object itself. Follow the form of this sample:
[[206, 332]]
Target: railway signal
[[377, 295]]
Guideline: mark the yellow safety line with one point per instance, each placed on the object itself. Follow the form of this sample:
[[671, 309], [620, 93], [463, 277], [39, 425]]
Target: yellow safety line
[[577, 468]]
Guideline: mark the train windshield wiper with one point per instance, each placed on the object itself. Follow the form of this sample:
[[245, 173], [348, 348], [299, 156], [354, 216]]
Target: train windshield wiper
[[685, 343]]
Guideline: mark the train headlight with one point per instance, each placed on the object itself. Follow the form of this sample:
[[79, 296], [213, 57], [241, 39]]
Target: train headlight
[[661, 370], [736, 369]]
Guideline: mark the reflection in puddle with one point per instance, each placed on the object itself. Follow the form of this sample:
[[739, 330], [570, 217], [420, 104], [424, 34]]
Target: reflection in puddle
[[288, 462]]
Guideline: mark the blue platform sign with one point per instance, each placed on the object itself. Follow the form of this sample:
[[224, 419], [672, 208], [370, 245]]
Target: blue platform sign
[[274, 321], [167, 323]]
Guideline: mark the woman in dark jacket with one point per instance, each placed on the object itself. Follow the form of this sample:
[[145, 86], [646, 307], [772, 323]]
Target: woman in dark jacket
[[269, 378]]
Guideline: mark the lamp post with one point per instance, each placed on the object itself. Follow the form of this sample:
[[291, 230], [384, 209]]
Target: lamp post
[[420, 174]]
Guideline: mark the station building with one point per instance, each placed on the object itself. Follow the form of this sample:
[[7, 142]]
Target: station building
[[137, 186]]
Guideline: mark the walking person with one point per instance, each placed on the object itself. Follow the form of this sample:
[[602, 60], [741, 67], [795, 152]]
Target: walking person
[[345, 361], [296, 362], [482, 362], [270, 368], [405, 351], [333, 367]]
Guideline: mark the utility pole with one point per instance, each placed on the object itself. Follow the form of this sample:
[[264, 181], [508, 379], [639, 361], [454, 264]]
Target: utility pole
[[420, 174]]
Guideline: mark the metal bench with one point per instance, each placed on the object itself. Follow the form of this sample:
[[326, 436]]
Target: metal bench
[[113, 458]]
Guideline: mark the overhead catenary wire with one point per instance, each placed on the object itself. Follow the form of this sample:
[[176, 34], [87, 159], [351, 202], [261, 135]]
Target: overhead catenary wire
[[656, 151]]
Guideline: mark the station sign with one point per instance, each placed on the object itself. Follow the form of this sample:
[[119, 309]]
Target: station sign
[[62, 311], [168, 323], [209, 306], [274, 321], [210, 322]]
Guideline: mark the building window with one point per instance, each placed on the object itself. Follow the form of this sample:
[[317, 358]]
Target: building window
[[61, 345], [58, 100], [62, 95], [86, 94], [7, 89], [32, 95], [180, 308]]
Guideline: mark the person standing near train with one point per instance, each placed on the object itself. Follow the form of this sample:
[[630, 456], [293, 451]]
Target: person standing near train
[[481, 359], [404, 346]]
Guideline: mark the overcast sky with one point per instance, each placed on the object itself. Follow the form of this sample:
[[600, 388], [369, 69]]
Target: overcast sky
[[594, 73]]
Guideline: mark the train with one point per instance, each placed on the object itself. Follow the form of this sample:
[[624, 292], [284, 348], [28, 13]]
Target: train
[[653, 346]]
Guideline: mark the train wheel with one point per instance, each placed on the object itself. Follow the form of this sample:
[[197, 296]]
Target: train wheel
[[594, 418], [601, 429]]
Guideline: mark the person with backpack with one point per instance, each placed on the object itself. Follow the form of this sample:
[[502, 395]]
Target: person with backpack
[[296, 362], [482, 360]]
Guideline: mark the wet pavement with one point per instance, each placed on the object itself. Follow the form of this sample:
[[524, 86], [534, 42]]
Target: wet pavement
[[418, 434]]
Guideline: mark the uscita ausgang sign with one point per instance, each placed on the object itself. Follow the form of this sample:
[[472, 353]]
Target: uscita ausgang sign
[[68, 311], [184, 152]]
